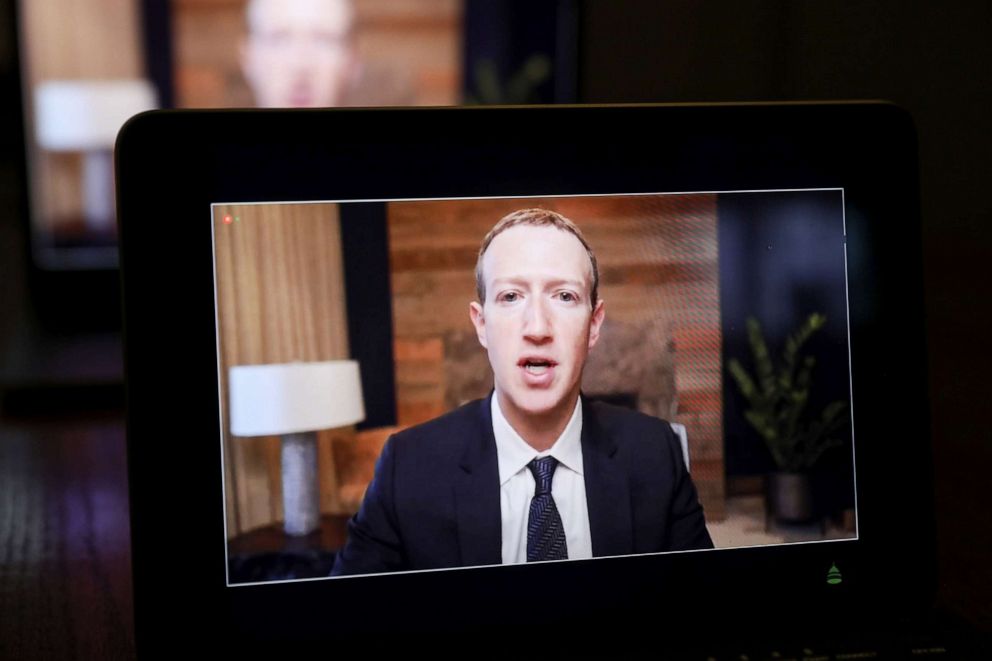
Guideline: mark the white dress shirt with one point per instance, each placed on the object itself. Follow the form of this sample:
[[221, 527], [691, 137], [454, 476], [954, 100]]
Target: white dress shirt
[[516, 486]]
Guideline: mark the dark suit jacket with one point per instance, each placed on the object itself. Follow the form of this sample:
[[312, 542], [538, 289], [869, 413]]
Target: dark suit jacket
[[434, 501]]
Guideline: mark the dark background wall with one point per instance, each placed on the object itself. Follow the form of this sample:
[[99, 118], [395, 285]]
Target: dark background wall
[[932, 59]]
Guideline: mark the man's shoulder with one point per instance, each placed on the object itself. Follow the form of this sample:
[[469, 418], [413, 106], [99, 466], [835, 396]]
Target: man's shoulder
[[621, 420], [649, 443]]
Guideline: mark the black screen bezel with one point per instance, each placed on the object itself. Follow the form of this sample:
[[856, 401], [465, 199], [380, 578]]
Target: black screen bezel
[[173, 164]]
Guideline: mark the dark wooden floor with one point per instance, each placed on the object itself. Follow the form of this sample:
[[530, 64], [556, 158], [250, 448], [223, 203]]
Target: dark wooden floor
[[65, 561]]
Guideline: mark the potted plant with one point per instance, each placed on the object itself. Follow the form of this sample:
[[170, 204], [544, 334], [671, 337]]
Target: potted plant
[[777, 397]]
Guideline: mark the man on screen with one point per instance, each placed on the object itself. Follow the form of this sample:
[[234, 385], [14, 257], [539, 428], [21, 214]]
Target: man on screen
[[535, 471]]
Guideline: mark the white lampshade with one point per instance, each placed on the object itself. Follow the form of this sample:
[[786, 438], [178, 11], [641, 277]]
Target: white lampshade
[[294, 397], [81, 115]]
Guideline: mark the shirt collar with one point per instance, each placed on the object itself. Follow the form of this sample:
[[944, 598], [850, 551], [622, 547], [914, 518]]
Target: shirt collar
[[513, 453]]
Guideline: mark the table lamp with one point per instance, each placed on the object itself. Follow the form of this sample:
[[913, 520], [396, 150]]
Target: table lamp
[[293, 401], [85, 116]]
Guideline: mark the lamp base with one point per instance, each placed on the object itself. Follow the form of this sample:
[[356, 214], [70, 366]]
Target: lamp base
[[300, 496], [98, 191]]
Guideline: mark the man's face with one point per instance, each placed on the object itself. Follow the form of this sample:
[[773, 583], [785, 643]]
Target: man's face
[[536, 321], [298, 53]]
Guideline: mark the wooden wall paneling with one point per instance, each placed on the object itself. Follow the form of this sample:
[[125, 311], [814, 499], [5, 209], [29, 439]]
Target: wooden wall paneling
[[280, 293], [420, 38], [82, 38], [206, 39], [228, 345]]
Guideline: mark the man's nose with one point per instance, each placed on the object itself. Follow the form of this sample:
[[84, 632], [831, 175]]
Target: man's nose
[[302, 54], [537, 322]]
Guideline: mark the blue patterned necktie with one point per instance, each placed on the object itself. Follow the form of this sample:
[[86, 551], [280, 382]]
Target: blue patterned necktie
[[545, 533]]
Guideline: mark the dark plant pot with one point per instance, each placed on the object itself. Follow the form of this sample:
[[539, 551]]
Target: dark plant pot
[[790, 497]]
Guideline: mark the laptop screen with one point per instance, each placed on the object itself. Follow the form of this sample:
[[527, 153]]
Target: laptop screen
[[724, 313], [438, 357]]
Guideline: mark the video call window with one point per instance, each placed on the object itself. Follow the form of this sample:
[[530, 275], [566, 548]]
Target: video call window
[[344, 327]]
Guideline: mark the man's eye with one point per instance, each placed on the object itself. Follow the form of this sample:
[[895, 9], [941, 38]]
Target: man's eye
[[508, 297], [567, 297]]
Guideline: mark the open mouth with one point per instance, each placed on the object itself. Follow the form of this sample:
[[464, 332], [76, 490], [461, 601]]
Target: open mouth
[[536, 366]]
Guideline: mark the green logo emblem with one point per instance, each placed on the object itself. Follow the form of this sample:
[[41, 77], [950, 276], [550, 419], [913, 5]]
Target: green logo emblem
[[833, 576]]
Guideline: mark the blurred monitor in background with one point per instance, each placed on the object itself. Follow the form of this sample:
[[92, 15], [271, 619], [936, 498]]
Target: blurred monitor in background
[[88, 65], [83, 73]]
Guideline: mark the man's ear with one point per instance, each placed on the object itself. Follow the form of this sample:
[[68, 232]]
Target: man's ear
[[596, 323], [479, 321]]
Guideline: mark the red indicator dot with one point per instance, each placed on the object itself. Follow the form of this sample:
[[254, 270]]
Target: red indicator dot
[[228, 220]]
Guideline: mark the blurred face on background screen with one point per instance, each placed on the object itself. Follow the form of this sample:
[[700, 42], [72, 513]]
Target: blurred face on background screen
[[298, 53]]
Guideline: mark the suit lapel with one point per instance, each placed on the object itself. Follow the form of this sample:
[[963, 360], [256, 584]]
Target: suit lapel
[[607, 489], [477, 495]]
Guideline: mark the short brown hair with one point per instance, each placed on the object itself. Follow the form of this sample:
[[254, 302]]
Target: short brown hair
[[537, 218]]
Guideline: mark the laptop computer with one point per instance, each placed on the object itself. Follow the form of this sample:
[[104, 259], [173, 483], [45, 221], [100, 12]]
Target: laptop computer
[[320, 401]]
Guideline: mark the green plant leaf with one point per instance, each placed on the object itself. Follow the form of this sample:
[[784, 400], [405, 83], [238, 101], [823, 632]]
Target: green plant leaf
[[814, 454], [778, 397], [762, 359], [833, 411], [762, 425], [744, 382], [487, 82]]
